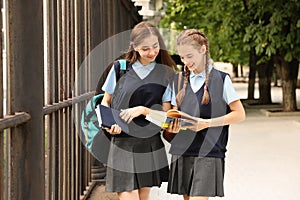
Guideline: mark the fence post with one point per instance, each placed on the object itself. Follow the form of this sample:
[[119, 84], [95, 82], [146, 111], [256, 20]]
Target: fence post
[[25, 63], [2, 169]]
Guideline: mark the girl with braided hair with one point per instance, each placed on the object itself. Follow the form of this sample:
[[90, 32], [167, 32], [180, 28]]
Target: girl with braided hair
[[198, 149]]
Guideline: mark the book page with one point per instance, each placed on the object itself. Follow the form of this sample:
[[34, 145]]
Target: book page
[[163, 119], [97, 109], [179, 114], [157, 117]]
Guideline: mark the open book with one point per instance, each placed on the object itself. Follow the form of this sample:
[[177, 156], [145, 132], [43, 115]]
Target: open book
[[163, 119]]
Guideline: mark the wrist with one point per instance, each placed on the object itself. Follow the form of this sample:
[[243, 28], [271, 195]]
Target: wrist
[[209, 123], [219, 121], [145, 110]]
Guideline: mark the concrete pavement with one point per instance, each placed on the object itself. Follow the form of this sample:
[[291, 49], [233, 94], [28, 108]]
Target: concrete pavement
[[263, 158]]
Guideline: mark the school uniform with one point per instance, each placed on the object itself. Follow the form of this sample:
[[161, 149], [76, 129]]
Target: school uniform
[[138, 158], [197, 167]]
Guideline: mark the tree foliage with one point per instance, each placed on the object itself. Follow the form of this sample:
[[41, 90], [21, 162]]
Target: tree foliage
[[215, 19], [274, 29], [235, 27]]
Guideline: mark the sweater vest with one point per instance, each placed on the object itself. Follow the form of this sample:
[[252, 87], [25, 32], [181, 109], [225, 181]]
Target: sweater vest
[[209, 142], [133, 91]]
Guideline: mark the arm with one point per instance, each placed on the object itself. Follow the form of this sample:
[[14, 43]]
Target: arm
[[109, 86], [106, 99], [114, 129], [129, 114], [166, 106], [236, 114]]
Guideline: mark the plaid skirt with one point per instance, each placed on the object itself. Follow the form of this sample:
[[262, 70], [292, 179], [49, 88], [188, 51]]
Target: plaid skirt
[[196, 176], [134, 163]]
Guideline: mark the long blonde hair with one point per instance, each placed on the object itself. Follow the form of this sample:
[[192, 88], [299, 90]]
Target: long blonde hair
[[196, 39]]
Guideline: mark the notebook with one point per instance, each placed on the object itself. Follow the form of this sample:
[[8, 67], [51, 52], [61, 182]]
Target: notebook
[[109, 116]]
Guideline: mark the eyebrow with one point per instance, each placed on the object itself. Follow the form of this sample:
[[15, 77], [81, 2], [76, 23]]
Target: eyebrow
[[186, 55]]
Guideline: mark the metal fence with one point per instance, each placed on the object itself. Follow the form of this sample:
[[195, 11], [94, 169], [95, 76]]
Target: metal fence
[[44, 44]]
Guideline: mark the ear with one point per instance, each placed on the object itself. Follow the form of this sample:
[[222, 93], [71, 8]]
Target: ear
[[203, 49]]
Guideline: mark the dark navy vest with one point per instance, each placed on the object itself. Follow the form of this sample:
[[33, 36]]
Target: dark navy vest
[[133, 91], [209, 142]]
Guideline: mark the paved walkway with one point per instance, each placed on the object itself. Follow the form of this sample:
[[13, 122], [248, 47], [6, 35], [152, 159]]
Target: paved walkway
[[263, 158]]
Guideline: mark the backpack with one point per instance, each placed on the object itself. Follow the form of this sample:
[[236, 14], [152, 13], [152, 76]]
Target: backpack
[[89, 121]]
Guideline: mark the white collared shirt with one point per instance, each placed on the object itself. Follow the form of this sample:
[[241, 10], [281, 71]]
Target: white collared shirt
[[197, 81], [141, 70]]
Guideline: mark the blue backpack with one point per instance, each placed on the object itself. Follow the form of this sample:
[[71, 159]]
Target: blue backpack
[[89, 122]]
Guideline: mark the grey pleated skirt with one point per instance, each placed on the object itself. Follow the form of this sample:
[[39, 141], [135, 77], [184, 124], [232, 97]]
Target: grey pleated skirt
[[196, 176], [135, 163]]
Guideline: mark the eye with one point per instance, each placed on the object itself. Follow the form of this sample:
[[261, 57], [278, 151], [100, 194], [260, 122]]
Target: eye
[[145, 49], [156, 46]]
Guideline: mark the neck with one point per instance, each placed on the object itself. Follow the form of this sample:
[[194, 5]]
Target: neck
[[196, 71], [200, 68], [144, 62]]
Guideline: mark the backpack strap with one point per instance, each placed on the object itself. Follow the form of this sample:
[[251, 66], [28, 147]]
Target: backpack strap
[[121, 67]]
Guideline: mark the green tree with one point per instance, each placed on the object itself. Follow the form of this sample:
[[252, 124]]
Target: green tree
[[275, 31], [208, 16], [225, 32], [258, 32]]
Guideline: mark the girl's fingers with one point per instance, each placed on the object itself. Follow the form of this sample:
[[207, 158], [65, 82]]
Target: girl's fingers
[[117, 129], [114, 129], [174, 126], [126, 116], [129, 120]]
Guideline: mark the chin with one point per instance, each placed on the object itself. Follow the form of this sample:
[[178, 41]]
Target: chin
[[191, 68], [150, 61]]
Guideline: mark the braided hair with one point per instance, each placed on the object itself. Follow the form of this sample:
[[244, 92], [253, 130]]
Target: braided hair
[[196, 39]]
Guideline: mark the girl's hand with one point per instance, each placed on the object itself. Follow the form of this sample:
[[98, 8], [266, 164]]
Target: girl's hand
[[130, 113], [195, 125], [114, 129], [174, 126]]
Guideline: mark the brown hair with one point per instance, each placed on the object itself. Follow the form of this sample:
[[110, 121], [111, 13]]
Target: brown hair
[[141, 31], [196, 39]]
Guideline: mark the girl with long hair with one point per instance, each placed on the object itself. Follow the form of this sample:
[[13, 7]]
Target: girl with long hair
[[137, 159]]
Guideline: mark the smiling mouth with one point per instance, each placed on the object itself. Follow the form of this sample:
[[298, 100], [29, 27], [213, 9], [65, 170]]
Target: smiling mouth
[[192, 65]]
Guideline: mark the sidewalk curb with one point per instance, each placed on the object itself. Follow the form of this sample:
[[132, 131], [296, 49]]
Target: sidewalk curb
[[273, 112]]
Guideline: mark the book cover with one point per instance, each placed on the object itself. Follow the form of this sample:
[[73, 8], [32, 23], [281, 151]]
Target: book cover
[[109, 116]]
